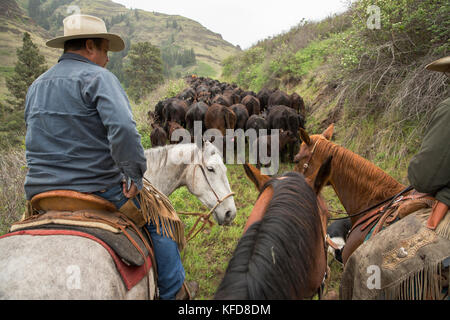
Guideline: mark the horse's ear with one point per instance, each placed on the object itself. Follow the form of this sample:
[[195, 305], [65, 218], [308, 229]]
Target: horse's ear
[[328, 133], [255, 176], [305, 136], [323, 175]]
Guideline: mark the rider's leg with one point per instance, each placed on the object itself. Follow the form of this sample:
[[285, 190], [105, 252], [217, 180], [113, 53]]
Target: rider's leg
[[171, 273]]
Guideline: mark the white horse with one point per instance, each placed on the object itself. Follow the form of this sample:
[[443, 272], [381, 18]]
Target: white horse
[[201, 170], [70, 267]]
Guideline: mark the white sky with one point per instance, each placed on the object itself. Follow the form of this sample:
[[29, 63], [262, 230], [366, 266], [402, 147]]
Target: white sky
[[243, 22]]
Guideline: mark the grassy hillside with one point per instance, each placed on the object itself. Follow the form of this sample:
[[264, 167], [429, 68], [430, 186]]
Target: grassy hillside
[[133, 25], [372, 83], [13, 23]]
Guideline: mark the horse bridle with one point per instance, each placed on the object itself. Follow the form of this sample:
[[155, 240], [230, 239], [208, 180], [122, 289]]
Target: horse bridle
[[204, 217], [307, 163]]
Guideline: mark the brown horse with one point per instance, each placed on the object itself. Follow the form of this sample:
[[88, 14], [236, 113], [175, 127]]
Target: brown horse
[[282, 254], [358, 183], [368, 195]]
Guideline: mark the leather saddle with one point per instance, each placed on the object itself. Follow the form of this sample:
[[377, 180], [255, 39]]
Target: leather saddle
[[379, 218], [72, 210]]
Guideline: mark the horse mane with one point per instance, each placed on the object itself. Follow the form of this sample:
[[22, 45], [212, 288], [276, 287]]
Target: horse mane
[[161, 154], [273, 258], [371, 182]]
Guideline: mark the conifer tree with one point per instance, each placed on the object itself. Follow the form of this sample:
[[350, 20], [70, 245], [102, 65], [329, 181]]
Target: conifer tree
[[144, 70], [30, 65]]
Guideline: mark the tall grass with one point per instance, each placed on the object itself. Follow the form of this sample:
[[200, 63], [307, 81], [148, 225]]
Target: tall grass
[[12, 198]]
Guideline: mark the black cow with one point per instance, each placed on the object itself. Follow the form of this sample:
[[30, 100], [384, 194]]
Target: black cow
[[159, 110], [263, 97], [187, 95], [265, 142], [196, 113], [298, 104], [175, 110], [283, 117], [279, 98], [241, 115], [256, 122]]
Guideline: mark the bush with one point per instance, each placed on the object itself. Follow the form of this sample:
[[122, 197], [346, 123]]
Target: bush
[[12, 129], [12, 199], [414, 26]]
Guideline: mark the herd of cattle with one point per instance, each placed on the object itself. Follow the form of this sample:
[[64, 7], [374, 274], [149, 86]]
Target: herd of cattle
[[225, 106]]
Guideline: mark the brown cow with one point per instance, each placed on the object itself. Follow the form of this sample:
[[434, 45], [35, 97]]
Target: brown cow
[[223, 100], [220, 117], [158, 136], [232, 96], [252, 104], [172, 126]]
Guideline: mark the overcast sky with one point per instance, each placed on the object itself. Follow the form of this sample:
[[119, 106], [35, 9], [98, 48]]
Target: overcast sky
[[243, 22]]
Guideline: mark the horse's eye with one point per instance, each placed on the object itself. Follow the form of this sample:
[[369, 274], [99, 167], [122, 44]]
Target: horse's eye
[[210, 169]]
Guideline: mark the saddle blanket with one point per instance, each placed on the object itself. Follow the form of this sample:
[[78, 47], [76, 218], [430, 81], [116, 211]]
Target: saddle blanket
[[131, 275]]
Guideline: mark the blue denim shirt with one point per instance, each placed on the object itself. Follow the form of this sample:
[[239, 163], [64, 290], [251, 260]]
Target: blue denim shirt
[[80, 130]]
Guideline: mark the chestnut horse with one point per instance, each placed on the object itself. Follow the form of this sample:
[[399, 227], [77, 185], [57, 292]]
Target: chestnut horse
[[358, 183], [365, 191], [282, 253]]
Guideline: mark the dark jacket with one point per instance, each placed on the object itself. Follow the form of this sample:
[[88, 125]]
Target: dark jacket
[[80, 130], [429, 169]]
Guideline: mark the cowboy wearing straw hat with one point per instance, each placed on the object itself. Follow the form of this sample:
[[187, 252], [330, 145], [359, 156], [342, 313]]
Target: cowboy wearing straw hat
[[81, 134], [429, 169]]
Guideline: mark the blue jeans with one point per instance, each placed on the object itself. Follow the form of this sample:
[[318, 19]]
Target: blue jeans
[[171, 273]]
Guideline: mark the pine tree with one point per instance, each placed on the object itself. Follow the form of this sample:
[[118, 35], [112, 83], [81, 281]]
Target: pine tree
[[144, 70], [29, 66]]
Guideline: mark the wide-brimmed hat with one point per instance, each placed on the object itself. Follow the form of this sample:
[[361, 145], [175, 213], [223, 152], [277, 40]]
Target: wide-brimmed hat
[[442, 65], [82, 26]]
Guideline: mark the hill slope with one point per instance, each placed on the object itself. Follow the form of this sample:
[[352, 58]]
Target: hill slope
[[371, 82], [133, 25], [13, 23]]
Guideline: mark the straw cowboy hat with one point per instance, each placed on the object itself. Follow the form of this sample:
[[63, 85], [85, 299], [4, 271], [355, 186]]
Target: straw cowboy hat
[[82, 26], [442, 65]]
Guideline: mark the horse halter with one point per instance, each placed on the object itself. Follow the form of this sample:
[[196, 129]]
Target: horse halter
[[307, 163], [204, 217], [219, 201]]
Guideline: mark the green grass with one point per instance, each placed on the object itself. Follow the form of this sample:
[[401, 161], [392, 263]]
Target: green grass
[[205, 70], [206, 256]]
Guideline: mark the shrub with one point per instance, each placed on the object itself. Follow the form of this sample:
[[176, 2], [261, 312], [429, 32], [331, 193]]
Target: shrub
[[12, 198]]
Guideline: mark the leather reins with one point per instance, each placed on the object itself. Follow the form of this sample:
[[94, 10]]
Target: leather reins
[[204, 217], [391, 199]]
